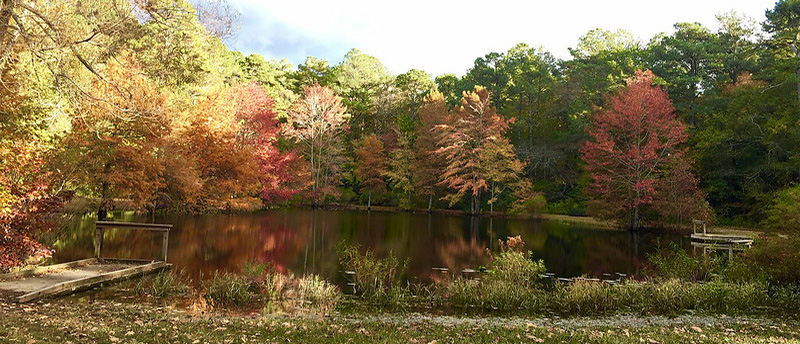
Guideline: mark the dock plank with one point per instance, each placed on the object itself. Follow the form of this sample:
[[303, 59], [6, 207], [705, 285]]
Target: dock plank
[[74, 278]]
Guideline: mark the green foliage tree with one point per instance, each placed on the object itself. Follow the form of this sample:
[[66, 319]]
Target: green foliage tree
[[363, 82], [414, 85], [400, 170], [783, 22], [687, 61]]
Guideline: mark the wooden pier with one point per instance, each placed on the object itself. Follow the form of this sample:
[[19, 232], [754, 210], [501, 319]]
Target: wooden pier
[[716, 242], [67, 278]]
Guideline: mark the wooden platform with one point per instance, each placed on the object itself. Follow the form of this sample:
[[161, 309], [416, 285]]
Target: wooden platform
[[67, 278], [722, 239]]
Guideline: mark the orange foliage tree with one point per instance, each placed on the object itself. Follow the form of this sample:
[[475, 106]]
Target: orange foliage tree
[[371, 165], [315, 123], [117, 135], [474, 125], [428, 165], [232, 143]]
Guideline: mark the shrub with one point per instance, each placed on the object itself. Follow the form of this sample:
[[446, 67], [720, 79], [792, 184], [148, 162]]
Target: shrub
[[318, 292], [777, 257], [675, 262], [377, 280], [785, 210], [530, 207], [166, 283], [229, 289]]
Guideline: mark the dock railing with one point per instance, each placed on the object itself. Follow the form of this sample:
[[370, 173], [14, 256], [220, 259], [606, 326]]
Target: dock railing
[[101, 226], [696, 223]]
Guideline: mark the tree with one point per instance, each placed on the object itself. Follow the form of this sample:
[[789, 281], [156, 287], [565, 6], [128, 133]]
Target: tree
[[118, 140], [217, 145], [414, 85], [275, 76], [428, 165], [599, 40], [678, 196], [30, 199], [219, 18], [313, 71], [687, 60], [362, 81], [315, 122], [631, 143], [260, 129], [783, 22], [475, 123], [401, 165], [738, 50], [489, 71], [532, 80], [371, 166], [501, 167]]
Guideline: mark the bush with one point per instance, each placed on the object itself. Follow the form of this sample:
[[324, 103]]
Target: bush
[[675, 263], [776, 257], [785, 210], [314, 290], [516, 268], [531, 207], [377, 280], [166, 283], [230, 289]]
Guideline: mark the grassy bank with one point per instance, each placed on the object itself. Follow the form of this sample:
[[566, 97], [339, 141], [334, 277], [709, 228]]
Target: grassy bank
[[75, 321]]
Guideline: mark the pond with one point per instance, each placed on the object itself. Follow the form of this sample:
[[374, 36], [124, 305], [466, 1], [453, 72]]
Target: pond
[[302, 241]]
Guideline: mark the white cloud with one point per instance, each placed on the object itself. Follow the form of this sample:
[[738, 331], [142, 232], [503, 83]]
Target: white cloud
[[446, 36]]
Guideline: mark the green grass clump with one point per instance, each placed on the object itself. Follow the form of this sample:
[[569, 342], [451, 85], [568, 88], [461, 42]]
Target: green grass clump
[[230, 289], [166, 283], [318, 292], [378, 280]]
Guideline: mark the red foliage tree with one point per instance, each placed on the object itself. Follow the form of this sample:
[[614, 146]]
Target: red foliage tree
[[278, 170], [27, 204], [27, 207], [475, 123], [632, 142]]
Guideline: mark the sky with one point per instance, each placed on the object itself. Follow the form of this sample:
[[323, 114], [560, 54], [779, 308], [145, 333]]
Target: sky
[[443, 36]]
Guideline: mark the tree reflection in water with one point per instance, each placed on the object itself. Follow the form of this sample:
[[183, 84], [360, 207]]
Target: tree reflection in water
[[304, 241]]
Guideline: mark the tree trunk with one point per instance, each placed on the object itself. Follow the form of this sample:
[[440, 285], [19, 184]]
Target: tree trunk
[[797, 71], [475, 209], [369, 200], [430, 202], [491, 206]]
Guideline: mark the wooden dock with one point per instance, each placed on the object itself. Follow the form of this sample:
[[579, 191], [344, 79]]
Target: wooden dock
[[718, 242], [67, 278]]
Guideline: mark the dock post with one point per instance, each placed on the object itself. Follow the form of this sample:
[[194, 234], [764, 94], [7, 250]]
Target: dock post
[[98, 241], [165, 246]]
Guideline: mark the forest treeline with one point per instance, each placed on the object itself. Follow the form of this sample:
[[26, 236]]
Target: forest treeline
[[141, 101]]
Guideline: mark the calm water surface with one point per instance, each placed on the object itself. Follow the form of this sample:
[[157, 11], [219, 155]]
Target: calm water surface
[[304, 241]]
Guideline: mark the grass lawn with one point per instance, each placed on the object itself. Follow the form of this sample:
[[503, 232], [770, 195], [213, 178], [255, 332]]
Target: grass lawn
[[83, 320]]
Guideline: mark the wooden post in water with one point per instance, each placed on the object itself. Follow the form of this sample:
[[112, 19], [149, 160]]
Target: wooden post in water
[[164, 246], [98, 241]]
